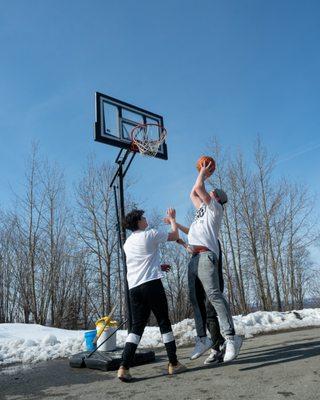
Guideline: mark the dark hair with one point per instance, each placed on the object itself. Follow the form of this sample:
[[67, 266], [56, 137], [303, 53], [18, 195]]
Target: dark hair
[[132, 219]]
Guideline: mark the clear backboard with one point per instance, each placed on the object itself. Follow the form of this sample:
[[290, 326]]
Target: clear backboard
[[115, 121]]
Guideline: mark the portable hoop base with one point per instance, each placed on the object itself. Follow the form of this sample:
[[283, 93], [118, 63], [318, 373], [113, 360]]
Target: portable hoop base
[[109, 360]]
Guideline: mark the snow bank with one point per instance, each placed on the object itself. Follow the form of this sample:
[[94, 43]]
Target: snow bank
[[28, 343]]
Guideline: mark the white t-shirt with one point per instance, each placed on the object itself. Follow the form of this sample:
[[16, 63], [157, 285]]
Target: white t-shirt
[[204, 230], [143, 256]]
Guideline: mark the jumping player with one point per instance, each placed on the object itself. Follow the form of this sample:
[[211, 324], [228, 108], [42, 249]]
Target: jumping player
[[203, 238], [204, 273]]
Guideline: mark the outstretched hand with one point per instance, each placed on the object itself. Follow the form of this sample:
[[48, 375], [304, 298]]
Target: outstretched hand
[[171, 213]]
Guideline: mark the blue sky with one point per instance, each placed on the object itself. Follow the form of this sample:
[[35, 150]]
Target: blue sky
[[229, 68]]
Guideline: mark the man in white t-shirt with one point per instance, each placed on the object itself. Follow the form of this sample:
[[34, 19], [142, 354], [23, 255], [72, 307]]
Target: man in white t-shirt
[[203, 239], [145, 288]]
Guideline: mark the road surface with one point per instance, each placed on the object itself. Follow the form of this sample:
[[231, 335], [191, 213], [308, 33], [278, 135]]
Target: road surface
[[279, 366]]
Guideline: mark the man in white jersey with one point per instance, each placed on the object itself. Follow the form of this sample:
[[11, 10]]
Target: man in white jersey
[[203, 239], [145, 288]]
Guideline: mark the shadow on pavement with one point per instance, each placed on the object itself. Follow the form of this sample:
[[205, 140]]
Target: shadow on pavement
[[263, 347], [254, 359], [279, 355]]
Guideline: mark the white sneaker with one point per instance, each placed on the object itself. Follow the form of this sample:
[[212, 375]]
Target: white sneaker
[[232, 347], [202, 345], [215, 357]]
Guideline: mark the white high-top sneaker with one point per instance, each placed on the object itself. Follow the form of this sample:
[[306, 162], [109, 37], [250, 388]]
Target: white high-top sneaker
[[232, 347], [202, 345]]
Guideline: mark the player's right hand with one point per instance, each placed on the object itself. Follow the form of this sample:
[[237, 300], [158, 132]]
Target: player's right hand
[[206, 170]]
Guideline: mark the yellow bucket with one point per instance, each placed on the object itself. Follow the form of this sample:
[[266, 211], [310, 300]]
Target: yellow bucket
[[106, 327]]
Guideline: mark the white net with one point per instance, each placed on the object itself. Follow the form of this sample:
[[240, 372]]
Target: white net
[[148, 138]]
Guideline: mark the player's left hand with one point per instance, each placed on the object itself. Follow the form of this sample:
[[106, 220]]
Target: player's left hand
[[171, 213]]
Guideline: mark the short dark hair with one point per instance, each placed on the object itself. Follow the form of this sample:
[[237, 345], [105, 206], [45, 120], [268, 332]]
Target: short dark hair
[[132, 219]]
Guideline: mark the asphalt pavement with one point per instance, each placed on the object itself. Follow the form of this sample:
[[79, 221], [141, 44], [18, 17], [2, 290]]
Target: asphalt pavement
[[270, 367]]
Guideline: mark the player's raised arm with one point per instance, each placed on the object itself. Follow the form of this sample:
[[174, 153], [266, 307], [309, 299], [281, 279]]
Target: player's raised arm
[[182, 228], [199, 186], [174, 234], [196, 200]]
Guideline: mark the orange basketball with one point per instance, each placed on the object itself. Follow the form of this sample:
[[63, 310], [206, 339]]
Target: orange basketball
[[207, 160]]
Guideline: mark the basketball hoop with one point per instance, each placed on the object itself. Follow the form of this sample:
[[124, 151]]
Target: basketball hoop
[[147, 138]]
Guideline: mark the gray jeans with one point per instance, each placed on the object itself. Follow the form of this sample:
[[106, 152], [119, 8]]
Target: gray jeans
[[205, 267]]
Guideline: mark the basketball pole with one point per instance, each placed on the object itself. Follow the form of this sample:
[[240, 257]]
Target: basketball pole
[[120, 210]]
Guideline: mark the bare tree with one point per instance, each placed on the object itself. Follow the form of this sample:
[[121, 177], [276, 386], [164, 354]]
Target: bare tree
[[270, 201], [64, 267], [176, 281], [96, 227]]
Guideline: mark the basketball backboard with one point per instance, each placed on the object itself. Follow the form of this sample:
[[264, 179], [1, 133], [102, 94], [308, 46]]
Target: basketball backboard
[[116, 119]]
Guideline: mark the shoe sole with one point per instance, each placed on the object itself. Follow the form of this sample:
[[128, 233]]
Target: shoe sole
[[231, 359], [213, 362], [122, 379], [178, 372]]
